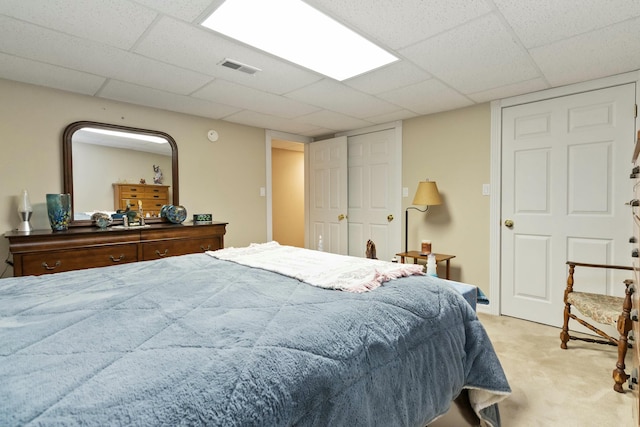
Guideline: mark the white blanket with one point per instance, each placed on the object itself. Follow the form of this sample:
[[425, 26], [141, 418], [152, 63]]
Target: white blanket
[[317, 268]]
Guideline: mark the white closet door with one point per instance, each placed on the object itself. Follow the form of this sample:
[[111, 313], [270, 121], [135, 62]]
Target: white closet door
[[374, 193], [565, 181], [328, 190]]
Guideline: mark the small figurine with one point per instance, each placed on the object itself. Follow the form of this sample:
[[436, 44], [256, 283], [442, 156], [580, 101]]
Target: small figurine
[[143, 181], [157, 179]]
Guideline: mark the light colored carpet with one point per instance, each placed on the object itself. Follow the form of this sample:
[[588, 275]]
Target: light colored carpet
[[555, 387]]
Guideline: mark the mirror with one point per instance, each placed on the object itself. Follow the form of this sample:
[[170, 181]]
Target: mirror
[[98, 156]]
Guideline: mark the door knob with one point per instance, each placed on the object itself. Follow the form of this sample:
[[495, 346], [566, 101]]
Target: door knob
[[508, 223], [389, 218], [341, 217]]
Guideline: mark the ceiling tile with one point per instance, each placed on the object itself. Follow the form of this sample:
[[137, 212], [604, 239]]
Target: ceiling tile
[[334, 121], [615, 49], [116, 23], [427, 97], [37, 73], [186, 10], [251, 99], [338, 97], [134, 94], [202, 50], [40, 44], [470, 63], [400, 25], [392, 117], [514, 89], [393, 76], [251, 118], [541, 22]]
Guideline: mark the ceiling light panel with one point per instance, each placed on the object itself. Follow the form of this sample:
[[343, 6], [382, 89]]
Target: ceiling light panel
[[295, 31]]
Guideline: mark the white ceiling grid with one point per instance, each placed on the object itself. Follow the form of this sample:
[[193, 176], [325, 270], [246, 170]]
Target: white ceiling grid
[[453, 53]]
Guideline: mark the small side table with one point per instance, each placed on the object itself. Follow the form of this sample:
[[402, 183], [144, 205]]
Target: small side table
[[416, 256]]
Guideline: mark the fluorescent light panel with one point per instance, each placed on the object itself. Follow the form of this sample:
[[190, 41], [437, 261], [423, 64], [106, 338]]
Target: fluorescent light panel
[[142, 137], [295, 31]]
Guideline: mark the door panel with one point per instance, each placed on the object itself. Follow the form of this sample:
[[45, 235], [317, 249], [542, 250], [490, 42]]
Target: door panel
[[531, 276], [374, 193], [328, 195], [564, 185]]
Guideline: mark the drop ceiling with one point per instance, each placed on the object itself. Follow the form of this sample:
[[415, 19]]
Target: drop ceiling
[[453, 53]]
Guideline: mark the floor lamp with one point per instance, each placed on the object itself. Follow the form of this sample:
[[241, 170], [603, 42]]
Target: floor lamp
[[426, 195]]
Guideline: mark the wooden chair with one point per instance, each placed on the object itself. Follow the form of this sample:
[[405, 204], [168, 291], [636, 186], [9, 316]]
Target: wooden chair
[[603, 309]]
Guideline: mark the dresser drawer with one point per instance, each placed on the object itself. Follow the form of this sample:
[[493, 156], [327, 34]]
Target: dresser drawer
[[132, 196], [75, 259], [153, 197], [148, 205], [46, 251], [151, 192], [162, 249]]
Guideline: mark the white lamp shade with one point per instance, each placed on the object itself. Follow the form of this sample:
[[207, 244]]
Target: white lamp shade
[[24, 204]]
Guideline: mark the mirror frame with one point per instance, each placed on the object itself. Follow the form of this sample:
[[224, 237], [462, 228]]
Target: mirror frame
[[67, 162]]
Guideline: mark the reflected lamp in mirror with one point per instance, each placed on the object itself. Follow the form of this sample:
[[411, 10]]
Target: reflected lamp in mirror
[[25, 211], [427, 195]]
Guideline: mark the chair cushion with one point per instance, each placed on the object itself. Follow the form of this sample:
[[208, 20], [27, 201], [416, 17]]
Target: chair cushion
[[603, 309]]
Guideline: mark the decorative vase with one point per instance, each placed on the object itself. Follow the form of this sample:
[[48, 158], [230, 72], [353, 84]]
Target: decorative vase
[[59, 209]]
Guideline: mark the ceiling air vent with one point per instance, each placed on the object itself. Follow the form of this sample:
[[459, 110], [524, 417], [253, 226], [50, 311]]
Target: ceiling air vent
[[235, 65]]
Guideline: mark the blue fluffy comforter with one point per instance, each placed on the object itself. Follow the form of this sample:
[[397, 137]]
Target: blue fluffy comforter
[[193, 340]]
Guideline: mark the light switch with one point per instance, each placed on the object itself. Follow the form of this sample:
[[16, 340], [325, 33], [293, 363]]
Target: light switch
[[486, 189], [263, 192], [405, 192]]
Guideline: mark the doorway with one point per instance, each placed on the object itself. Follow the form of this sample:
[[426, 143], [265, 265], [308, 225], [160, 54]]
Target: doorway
[[376, 157], [284, 143], [287, 192]]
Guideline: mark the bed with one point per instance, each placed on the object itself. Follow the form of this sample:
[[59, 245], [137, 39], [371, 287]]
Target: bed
[[200, 340]]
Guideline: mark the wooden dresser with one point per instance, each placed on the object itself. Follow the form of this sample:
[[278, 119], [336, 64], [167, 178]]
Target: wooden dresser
[[153, 197], [635, 209], [46, 251]]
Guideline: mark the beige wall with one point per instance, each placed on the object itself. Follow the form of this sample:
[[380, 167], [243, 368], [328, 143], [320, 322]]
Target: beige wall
[[222, 178], [288, 196], [453, 149]]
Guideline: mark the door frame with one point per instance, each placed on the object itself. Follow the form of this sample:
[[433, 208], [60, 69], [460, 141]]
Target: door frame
[[268, 137], [495, 226], [273, 134]]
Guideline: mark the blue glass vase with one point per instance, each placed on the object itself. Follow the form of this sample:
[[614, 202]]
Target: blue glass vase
[[59, 210]]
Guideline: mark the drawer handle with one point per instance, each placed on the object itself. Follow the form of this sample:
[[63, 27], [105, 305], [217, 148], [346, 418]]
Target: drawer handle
[[166, 251], [208, 248], [114, 259], [47, 267]]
